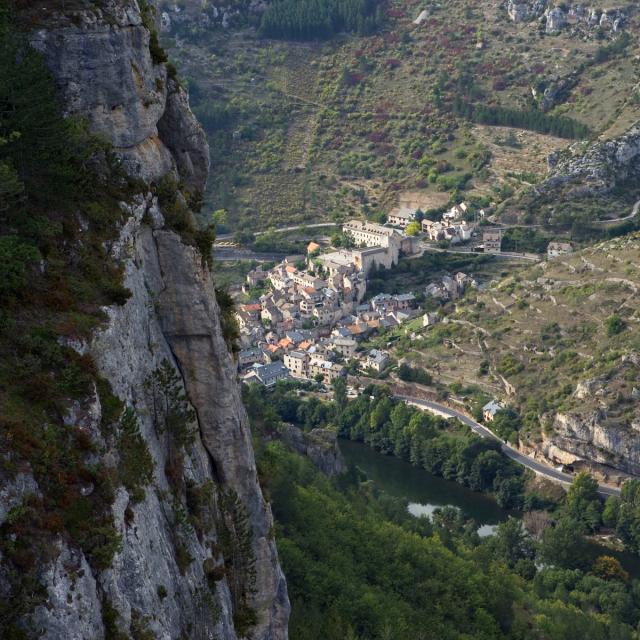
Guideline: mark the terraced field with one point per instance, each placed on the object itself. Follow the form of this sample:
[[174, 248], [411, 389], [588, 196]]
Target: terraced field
[[563, 336]]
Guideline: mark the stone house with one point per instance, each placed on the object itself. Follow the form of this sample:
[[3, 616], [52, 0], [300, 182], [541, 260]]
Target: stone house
[[377, 360], [401, 217], [490, 409], [492, 240]]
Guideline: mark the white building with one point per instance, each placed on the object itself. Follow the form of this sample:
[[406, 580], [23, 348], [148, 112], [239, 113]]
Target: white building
[[456, 212], [346, 347], [401, 217], [297, 363], [490, 409], [377, 360], [429, 319], [370, 234]]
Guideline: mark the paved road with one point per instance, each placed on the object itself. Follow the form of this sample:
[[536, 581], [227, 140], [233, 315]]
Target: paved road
[[227, 254], [503, 254], [537, 467], [633, 214], [296, 227]]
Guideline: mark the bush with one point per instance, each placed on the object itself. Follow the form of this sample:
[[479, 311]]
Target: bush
[[506, 423], [136, 464], [16, 258], [614, 325], [158, 54], [414, 374]]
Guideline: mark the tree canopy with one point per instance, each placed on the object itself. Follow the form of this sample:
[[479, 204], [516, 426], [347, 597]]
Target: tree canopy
[[320, 19]]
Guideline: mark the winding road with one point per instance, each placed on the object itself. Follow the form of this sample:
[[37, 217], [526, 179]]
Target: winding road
[[295, 227], [633, 214], [512, 255], [537, 467]]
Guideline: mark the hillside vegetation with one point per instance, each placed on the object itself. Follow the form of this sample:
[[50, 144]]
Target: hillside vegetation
[[314, 130], [360, 566], [559, 338]]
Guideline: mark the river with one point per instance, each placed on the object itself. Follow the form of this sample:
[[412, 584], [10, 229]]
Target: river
[[426, 492]]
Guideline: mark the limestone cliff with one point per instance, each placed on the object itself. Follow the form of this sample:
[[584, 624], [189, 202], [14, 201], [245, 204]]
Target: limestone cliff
[[594, 439], [597, 168], [196, 556], [602, 428], [101, 58], [319, 445]]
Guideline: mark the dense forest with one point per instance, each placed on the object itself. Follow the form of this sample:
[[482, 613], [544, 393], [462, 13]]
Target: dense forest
[[359, 566], [320, 19], [531, 119]]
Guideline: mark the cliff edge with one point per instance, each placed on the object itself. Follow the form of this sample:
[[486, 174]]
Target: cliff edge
[[191, 552]]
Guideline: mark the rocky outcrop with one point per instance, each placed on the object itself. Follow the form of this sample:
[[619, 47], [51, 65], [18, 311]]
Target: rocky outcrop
[[319, 445], [172, 574], [591, 437], [525, 10], [183, 136], [199, 15], [556, 18], [601, 428], [595, 169], [554, 90], [105, 70], [578, 19]]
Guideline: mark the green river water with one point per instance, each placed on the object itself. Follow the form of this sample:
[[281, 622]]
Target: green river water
[[426, 492]]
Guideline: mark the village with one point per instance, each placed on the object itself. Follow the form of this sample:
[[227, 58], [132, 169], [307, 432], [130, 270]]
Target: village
[[313, 315]]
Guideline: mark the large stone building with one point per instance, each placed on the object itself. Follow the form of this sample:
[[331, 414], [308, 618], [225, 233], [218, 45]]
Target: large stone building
[[374, 257], [297, 363], [377, 360], [370, 234], [327, 369]]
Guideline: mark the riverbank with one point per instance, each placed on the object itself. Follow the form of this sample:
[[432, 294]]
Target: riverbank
[[425, 493]]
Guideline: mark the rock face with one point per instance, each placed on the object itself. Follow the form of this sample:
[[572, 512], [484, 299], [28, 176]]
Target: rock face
[[105, 71], [556, 19], [172, 576], [592, 438], [525, 10], [554, 90], [319, 445], [189, 318], [185, 139], [601, 427], [596, 169]]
